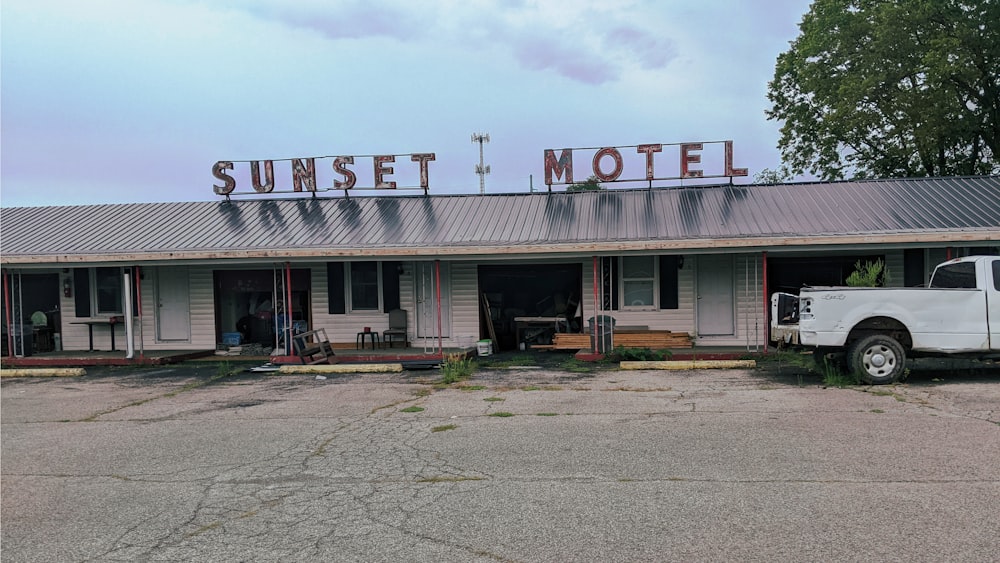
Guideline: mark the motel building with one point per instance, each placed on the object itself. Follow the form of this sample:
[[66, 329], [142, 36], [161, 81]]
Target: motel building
[[686, 258]]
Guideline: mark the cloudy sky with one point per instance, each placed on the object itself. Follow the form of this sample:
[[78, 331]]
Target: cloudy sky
[[117, 101]]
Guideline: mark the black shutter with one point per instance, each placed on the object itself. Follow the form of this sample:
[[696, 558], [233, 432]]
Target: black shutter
[[335, 287], [668, 282], [913, 267], [390, 286], [81, 291], [135, 290]]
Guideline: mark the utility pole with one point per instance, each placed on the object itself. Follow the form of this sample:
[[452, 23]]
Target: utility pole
[[481, 168]]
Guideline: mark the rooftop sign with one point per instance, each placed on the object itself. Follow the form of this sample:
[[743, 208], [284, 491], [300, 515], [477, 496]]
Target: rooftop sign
[[305, 175], [608, 164]]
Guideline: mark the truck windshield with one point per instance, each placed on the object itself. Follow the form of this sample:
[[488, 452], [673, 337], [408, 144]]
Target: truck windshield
[[961, 275]]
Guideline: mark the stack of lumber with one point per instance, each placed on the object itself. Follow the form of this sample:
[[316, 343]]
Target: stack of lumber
[[653, 339]]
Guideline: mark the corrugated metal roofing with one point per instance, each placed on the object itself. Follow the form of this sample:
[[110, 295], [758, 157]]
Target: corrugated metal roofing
[[607, 220]]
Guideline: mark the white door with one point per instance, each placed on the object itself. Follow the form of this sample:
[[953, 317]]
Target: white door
[[426, 292], [173, 305], [716, 311]]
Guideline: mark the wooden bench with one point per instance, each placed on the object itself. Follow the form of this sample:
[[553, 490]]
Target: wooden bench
[[313, 347]]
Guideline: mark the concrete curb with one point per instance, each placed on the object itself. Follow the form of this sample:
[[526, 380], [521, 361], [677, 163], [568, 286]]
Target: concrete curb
[[340, 368], [43, 372], [690, 364]]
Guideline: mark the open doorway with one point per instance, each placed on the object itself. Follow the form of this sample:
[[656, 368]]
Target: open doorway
[[34, 314], [540, 291], [252, 303]]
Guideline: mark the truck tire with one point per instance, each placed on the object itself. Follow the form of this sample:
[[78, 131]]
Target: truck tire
[[878, 359]]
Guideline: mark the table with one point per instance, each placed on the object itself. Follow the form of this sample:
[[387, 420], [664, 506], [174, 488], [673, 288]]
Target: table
[[109, 322], [360, 342], [538, 324]]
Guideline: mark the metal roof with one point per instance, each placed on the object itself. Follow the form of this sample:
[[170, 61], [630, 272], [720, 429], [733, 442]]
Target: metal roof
[[669, 219]]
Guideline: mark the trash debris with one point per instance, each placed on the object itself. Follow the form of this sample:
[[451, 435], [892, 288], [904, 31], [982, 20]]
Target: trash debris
[[268, 367], [320, 377]]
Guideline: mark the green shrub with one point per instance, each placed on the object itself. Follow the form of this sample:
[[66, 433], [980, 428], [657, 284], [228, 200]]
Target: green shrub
[[641, 354]]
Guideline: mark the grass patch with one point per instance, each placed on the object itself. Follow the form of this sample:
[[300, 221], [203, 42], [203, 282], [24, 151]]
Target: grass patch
[[456, 367], [548, 414], [502, 414], [471, 387], [574, 365], [877, 411], [444, 428], [414, 408], [512, 361], [834, 376], [494, 399], [531, 388]]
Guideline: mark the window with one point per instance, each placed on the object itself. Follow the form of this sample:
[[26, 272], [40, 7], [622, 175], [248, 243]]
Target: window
[[363, 285], [958, 275], [108, 291], [638, 281]]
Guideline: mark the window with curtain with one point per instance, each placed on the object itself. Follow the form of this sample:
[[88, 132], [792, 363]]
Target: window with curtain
[[638, 275]]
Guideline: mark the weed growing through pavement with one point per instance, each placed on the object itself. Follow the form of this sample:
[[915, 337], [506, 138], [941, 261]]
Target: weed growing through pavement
[[412, 409], [444, 427], [502, 414], [548, 414], [494, 399], [456, 367]]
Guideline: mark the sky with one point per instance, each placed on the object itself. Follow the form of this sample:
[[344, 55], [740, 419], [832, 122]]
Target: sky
[[129, 101]]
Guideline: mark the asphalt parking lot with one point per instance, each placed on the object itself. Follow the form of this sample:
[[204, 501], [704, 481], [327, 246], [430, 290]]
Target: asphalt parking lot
[[183, 463]]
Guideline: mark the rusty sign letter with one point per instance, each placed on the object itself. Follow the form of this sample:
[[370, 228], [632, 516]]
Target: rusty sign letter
[[688, 158], [381, 171], [730, 171], [648, 150], [229, 183], [350, 178], [619, 165], [304, 174], [563, 165], [268, 184], [423, 159]]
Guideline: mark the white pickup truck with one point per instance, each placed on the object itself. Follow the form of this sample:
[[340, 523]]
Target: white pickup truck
[[875, 329]]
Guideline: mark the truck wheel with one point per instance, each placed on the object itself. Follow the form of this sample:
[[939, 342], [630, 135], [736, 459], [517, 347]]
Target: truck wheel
[[878, 359]]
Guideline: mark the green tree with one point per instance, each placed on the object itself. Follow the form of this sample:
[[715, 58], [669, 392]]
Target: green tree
[[891, 88], [590, 184]]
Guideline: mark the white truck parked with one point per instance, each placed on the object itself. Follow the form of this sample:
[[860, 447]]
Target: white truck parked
[[873, 330]]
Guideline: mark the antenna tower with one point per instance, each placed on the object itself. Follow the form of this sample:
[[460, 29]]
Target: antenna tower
[[481, 169]]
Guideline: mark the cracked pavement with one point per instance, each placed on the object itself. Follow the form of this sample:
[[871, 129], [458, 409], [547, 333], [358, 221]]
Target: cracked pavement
[[179, 464]]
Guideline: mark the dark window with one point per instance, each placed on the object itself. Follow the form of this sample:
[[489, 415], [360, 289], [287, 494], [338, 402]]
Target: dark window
[[108, 290], [364, 286], [961, 275], [996, 275]]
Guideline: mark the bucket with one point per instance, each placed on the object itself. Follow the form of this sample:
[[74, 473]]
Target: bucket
[[484, 347]]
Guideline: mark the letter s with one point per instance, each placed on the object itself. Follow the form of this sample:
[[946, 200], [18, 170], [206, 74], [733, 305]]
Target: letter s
[[229, 183]]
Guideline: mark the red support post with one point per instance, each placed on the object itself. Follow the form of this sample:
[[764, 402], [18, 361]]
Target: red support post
[[437, 283], [767, 307]]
